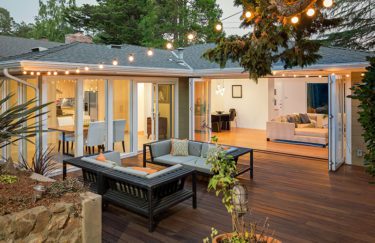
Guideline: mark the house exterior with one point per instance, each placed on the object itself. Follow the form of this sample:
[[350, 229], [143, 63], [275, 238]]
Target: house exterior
[[157, 92]]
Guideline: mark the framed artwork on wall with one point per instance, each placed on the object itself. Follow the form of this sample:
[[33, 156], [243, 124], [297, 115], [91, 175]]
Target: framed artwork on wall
[[236, 91]]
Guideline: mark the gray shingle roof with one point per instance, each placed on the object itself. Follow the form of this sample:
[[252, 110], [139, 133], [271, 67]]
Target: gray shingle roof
[[330, 55], [12, 46], [95, 54]]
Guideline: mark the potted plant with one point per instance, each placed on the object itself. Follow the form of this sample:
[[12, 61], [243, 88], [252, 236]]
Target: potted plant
[[234, 198]]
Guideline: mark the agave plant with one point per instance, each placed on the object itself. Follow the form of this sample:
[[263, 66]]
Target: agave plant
[[14, 118], [42, 162]]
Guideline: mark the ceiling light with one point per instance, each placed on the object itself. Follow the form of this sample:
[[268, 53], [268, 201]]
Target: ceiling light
[[77, 70], [32, 73], [67, 72], [101, 66], [295, 20], [115, 62], [48, 73], [190, 36], [310, 12], [327, 3], [348, 75], [131, 58], [248, 14], [38, 73], [320, 76], [362, 74], [86, 68], [307, 76], [283, 74], [219, 27], [150, 52], [24, 72], [294, 75], [169, 45], [55, 73]]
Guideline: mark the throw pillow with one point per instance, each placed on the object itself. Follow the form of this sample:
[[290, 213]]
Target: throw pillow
[[101, 158], [180, 147], [144, 169], [304, 118]]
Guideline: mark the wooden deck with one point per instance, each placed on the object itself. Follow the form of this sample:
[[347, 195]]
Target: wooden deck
[[303, 201]]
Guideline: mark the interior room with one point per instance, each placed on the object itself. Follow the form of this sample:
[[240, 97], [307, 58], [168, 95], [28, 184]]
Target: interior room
[[261, 115]]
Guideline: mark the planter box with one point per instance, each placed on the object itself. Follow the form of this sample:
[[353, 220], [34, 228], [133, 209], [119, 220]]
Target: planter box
[[59, 222]]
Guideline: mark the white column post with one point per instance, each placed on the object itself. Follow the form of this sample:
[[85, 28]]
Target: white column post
[[4, 107], [22, 149], [43, 100], [133, 111], [79, 119], [109, 113]]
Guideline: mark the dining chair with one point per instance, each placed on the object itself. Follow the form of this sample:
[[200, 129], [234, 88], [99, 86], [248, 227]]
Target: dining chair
[[119, 132], [96, 135], [66, 121], [215, 123], [233, 115]]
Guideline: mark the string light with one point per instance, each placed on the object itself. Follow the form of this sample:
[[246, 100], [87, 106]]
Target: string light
[[169, 45], [307, 76], [131, 58], [114, 62], [219, 27], [295, 20], [348, 75], [248, 14], [86, 68], [327, 3], [67, 72], [362, 74], [310, 12], [101, 66], [150, 52], [320, 76], [294, 75], [38, 73], [77, 70], [190, 36], [283, 74]]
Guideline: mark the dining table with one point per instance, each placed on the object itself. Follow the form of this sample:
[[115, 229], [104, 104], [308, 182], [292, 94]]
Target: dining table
[[223, 119], [66, 130]]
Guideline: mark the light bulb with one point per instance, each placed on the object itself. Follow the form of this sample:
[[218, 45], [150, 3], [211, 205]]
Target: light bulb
[[24, 72], [77, 70], [131, 58], [32, 73], [310, 12], [307, 76], [320, 76], [55, 73], [38, 73], [115, 62], [348, 75], [190, 36], [362, 74], [86, 68], [295, 20], [219, 27], [169, 45], [101, 66], [48, 73], [294, 75], [67, 72], [327, 3], [150, 52], [248, 14], [283, 74]]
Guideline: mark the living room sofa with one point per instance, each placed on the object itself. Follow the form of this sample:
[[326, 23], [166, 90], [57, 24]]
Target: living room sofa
[[314, 132]]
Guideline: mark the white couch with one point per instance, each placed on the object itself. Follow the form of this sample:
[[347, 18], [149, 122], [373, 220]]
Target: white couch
[[315, 132]]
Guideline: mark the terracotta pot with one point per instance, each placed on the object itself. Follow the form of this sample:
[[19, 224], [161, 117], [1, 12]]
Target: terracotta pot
[[221, 237]]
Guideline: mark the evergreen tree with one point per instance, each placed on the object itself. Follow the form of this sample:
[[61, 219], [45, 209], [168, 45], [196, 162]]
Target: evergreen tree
[[6, 22], [50, 22], [357, 31], [23, 30], [272, 36]]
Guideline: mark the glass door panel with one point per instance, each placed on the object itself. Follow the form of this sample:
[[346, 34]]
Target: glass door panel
[[165, 109], [201, 117], [145, 133], [336, 122]]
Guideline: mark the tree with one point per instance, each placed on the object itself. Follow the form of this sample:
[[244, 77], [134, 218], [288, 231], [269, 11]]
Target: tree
[[6, 22], [147, 22], [365, 94], [23, 30], [50, 22], [273, 37], [357, 31]]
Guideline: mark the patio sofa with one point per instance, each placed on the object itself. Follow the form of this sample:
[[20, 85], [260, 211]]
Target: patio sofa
[[143, 193], [313, 130], [160, 153]]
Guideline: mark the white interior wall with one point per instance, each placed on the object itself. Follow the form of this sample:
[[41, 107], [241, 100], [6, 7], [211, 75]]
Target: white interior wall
[[291, 94], [141, 107], [252, 109]]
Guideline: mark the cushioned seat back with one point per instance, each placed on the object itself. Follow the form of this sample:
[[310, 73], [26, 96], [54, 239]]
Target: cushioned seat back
[[195, 148], [161, 148], [113, 156]]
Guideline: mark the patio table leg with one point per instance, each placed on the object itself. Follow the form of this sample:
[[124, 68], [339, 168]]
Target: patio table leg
[[150, 212], [194, 182], [64, 170], [63, 142], [251, 164]]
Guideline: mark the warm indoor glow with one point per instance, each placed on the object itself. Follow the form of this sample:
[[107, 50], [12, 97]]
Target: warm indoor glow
[[294, 75], [320, 76], [348, 75], [169, 46], [219, 27], [283, 74], [327, 3], [86, 68], [295, 20], [310, 12], [307, 76], [131, 58], [248, 14], [150, 52], [32, 73], [190, 36], [115, 62]]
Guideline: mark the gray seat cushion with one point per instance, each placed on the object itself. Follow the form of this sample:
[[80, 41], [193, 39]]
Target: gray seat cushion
[[195, 148], [200, 165], [172, 160], [161, 148]]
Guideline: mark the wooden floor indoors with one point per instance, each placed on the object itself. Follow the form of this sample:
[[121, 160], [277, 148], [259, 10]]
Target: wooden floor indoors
[[254, 138], [303, 201]]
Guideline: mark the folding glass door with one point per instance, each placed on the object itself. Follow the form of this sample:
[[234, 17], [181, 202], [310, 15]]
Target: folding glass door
[[336, 122]]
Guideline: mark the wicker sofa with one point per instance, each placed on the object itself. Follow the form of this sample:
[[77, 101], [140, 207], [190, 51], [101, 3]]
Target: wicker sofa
[[146, 194], [315, 132]]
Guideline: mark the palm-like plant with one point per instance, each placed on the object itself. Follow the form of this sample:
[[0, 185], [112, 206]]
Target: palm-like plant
[[14, 118], [42, 162]]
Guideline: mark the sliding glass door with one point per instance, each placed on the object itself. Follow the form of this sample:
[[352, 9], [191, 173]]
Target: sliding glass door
[[336, 122]]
